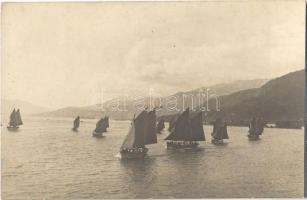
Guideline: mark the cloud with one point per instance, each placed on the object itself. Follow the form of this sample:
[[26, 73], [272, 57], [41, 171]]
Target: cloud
[[126, 48]]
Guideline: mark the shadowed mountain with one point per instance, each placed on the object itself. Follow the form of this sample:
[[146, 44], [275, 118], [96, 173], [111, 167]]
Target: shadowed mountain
[[124, 109], [279, 99], [196, 98]]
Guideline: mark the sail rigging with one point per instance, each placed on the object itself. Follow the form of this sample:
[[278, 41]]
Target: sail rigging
[[77, 122], [150, 132], [142, 131], [256, 127], [15, 118], [135, 137], [101, 126], [220, 130], [18, 118], [107, 121], [197, 130], [181, 130], [187, 128]]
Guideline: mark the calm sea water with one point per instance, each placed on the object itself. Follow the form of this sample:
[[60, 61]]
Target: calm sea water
[[45, 159]]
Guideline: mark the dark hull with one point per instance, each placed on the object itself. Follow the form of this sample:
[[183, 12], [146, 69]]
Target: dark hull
[[217, 142], [98, 135], [74, 129], [170, 145], [133, 154], [12, 128], [253, 137]]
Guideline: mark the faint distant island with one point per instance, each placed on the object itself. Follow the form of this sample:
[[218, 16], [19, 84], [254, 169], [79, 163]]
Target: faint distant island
[[25, 107]]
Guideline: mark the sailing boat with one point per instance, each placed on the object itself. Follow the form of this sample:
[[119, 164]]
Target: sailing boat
[[256, 128], [142, 132], [186, 131], [219, 132], [76, 124], [15, 120], [160, 126], [101, 127]]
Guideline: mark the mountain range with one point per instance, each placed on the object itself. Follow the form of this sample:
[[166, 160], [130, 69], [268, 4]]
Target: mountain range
[[123, 108], [281, 98]]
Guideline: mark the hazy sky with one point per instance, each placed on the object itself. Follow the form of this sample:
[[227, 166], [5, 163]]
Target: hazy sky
[[63, 54]]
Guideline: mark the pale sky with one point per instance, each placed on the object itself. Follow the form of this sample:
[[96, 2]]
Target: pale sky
[[63, 54]]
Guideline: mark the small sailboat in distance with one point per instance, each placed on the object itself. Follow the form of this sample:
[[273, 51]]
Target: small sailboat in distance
[[256, 128], [15, 120], [219, 131], [76, 124], [142, 132], [160, 126], [101, 127]]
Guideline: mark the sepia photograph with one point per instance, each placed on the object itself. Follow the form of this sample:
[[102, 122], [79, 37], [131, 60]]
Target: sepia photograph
[[159, 100]]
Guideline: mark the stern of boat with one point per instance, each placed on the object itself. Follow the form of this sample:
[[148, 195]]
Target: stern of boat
[[171, 145], [217, 142], [253, 137], [133, 153], [12, 128], [98, 135]]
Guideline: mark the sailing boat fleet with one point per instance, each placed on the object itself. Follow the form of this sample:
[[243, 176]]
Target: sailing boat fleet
[[186, 131]]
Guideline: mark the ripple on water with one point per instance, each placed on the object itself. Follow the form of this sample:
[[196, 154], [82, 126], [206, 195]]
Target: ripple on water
[[45, 159]]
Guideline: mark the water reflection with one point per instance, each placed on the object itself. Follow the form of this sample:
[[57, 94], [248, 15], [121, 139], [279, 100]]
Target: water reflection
[[138, 168], [254, 141], [139, 175], [47, 160]]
